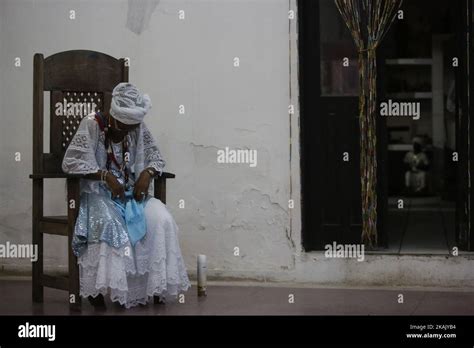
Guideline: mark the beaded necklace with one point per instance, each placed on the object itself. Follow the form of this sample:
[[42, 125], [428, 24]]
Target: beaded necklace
[[110, 151]]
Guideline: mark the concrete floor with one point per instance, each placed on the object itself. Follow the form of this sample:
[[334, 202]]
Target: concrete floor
[[241, 299], [425, 226]]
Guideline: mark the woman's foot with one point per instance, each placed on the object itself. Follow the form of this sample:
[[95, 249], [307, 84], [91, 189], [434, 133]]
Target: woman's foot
[[158, 300], [98, 302]]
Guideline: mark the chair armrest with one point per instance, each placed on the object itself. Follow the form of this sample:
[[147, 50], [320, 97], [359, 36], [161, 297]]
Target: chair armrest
[[166, 175], [55, 176]]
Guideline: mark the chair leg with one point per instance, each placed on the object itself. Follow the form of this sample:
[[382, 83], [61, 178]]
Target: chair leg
[[160, 189], [74, 286], [37, 288], [38, 293], [74, 281]]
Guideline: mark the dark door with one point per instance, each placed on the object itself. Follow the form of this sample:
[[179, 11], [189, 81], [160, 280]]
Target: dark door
[[331, 203]]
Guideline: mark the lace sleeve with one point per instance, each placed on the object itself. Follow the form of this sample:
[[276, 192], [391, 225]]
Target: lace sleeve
[[152, 155], [80, 155]]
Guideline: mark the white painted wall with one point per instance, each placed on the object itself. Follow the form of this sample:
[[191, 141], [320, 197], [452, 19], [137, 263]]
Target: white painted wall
[[187, 62], [190, 62]]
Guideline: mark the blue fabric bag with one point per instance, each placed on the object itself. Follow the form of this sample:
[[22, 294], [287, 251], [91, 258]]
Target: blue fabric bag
[[133, 213]]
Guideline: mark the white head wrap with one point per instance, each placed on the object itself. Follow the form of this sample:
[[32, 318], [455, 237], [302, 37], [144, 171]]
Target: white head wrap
[[128, 105]]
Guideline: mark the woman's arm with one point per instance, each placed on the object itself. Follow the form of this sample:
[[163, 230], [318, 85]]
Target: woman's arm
[[153, 158], [153, 164], [96, 176], [112, 183]]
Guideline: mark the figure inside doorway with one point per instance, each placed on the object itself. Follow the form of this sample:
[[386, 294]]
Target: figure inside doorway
[[417, 162]]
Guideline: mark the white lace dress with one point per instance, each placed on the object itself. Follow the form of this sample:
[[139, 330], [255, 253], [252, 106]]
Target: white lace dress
[[108, 263]]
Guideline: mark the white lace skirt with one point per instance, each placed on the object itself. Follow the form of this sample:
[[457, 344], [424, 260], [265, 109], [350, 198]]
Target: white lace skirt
[[133, 275]]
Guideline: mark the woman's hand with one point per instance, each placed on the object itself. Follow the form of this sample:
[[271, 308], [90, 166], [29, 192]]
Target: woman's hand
[[141, 186], [115, 186]]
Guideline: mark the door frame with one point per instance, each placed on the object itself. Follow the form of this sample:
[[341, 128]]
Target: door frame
[[470, 102], [308, 31]]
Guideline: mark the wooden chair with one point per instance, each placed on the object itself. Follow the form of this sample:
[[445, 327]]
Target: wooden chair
[[70, 76]]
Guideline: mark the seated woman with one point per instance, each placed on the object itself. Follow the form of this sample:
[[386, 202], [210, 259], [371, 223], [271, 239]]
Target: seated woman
[[126, 241]]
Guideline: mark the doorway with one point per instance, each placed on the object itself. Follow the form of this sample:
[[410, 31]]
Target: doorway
[[428, 209], [421, 98]]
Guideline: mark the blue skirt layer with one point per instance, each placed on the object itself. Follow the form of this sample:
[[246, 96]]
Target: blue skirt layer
[[99, 219]]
